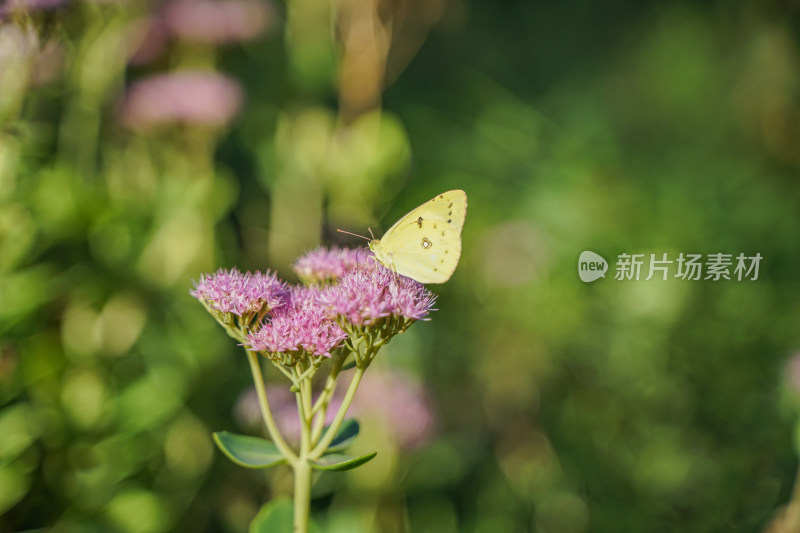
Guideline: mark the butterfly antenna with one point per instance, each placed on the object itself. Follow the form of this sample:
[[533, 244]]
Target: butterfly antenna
[[372, 234], [354, 234]]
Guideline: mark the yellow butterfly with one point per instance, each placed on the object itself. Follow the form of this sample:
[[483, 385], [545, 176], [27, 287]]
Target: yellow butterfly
[[425, 245]]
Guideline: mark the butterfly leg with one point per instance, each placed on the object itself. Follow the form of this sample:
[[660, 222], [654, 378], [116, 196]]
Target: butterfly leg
[[393, 269]]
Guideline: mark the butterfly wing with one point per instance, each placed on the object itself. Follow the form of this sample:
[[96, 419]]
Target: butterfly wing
[[425, 244]]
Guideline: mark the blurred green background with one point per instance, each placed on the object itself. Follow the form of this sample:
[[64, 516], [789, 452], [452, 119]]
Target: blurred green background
[[142, 143]]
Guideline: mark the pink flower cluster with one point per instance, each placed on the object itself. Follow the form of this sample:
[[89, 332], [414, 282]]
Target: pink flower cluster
[[301, 325], [323, 264], [313, 319], [364, 296], [231, 291]]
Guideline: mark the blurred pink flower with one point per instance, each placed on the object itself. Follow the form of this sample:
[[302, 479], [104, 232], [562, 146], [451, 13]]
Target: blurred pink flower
[[283, 405], [210, 21], [389, 397], [400, 402], [190, 97]]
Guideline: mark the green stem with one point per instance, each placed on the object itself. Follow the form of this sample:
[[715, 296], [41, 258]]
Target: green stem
[[321, 407], [303, 395], [305, 390], [309, 373], [323, 444], [272, 427], [285, 372], [302, 469], [302, 494]]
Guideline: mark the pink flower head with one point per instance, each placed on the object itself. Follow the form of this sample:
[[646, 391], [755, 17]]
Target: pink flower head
[[365, 295], [323, 264], [303, 325], [189, 97], [230, 291], [209, 21]]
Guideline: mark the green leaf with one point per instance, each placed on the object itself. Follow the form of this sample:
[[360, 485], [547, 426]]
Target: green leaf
[[250, 452], [348, 432], [277, 516], [340, 462]]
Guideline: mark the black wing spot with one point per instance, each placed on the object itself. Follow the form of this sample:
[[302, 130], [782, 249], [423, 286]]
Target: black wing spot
[[435, 269], [450, 213], [442, 234], [426, 243], [450, 206], [446, 251], [419, 222], [434, 226], [441, 196], [449, 220]]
